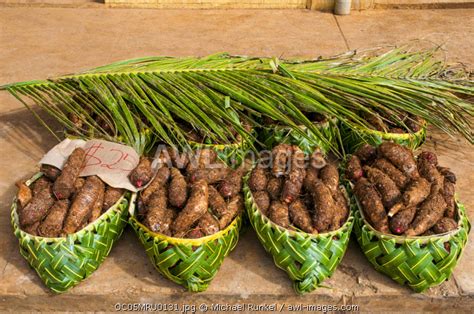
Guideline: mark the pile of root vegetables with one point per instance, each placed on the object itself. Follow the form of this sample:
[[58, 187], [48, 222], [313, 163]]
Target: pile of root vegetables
[[297, 193], [192, 195], [401, 194], [61, 202]]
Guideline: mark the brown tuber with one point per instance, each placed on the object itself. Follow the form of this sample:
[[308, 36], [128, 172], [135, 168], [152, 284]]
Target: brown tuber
[[195, 207], [372, 205], [431, 210], [279, 214], [53, 223], [300, 216], [64, 184], [178, 189], [142, 174]]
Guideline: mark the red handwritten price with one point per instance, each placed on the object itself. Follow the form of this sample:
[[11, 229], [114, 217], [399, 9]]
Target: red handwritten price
[[112, 158]]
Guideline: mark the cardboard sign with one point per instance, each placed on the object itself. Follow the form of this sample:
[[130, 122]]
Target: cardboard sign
[[109, 161]]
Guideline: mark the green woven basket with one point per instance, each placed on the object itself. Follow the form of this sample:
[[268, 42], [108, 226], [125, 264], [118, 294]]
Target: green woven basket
[[277, 134], [352, 140], [192, 263], [308, 259], [62, 263], [419, 262]]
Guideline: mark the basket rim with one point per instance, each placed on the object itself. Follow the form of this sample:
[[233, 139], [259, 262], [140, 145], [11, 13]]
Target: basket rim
[[346, 226], [323, 124], [424, 239], [173, 240], [389, 136], [14, 217]]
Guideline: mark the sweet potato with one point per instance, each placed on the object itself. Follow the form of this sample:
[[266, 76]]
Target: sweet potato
[[234, 208], [281, 155], [300, 216], [24, 194], [178, 189], [258, 179], [324, 207], [52, 225], [401, 157], [82, 204], [354, 169], [50, 172], [430, 211], [402, 220], [37, 208], [372, 206], [444, 225], [262, 199], [274, 187], [416, 192], [294, 181], [64, 185], [393, 173], [387, 189], [161, 178], [112, 195], [208, 224], [142, 174], [279, 214], [330, 177], [196, 206]]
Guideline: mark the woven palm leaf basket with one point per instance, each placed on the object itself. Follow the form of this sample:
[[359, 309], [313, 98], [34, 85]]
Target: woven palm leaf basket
[[353, 140], [308, 259], [192, 263], [64, 262], [420, 262], [277, 134]]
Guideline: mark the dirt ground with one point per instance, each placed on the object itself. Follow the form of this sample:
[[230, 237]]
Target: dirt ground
[[36, 43]]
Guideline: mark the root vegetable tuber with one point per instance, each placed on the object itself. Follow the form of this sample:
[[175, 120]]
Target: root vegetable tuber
[[324, 207], [195, 207], [39, 185], [37, 208], [178, 160], [99, 202], [429, 171], [279, 214], [53, 223], [387, 189], [447, 173], [372, 205], [401, 157], [354, 169], [234, 208], [262, 199], [210, 175], [50, 172], [142, 174], [112, 195], [216, 201], [341, 209], [416, 192], [300, 216], [366, 153], [24, 194], [208, 224], [430, 211], [178, 189], [274, 187], [402, 220], [232, 183], [281, 155], [444, 225], [32, 229], [82, 204], [258, 179], [161, 178], [64, 185], [389, 169], [78, 184], [330, 177], [159, 217], [448, 193], [297, 172]]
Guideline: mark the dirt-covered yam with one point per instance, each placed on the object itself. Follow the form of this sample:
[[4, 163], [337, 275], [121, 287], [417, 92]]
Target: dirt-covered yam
[[158, 217], [354, 169], [279, 214], [385, 186], [274, 187], [196, 206], [366, 153], [111, 196], [142, 174], [429, 213], [341, 209], [232, 183], [416, 192], [448, 193], [444, 225], [296, 174], [37, 208], [161, 178], [330, 176], [51, 172], [64, 185], [402, 220], [216, 201], [372, 205], [300, 216], [234, 208], [429, 171], [324, 207], [389, 169], [39, 185], [208, 224], [81, 207], [52, 225], [258, 179], [24, 194], [280, 155], [32, 229], [99, 202], [401, 157], [210, 175], [178, 189], [262, 199], [447, 173]]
